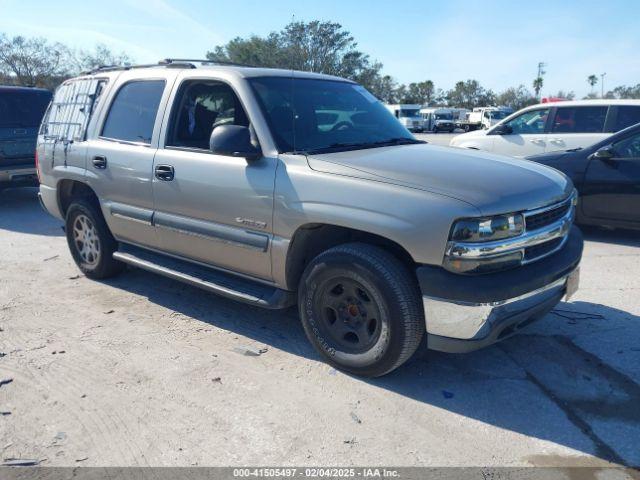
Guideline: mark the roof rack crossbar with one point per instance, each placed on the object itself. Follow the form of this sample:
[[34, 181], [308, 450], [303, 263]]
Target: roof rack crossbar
[[167, 62]]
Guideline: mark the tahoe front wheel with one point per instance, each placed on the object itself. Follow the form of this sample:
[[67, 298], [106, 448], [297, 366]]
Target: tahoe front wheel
[[361, 309]]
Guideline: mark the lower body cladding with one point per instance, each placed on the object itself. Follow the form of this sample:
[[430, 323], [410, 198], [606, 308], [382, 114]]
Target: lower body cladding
[[465, 312]]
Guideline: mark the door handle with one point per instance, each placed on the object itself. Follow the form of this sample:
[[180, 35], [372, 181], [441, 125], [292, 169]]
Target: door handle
[[537, 141], [99, 162], [557, 140], [165, 172]]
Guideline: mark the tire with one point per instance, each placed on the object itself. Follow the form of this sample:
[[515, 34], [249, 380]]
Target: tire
[[361, 309], [90, 241]]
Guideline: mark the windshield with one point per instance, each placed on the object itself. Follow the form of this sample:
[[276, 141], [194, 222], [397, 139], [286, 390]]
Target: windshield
[[319, 116], [19, 108], [408, 113], [444, 116]]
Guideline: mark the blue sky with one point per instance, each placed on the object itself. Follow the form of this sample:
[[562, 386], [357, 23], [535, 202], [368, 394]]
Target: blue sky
[[497, 42]]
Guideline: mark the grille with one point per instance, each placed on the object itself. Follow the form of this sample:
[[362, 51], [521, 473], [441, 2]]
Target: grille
[[542, 249], [542, 219]]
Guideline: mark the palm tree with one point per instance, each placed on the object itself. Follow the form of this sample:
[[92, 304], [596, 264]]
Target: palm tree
[[537, 85], [592, 80]]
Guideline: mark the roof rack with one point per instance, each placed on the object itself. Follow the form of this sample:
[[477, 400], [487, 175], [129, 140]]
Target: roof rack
[[167, 62]]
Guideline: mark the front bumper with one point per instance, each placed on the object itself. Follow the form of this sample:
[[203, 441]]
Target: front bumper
[[465, 312]]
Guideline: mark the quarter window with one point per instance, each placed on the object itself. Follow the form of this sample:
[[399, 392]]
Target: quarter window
[[133, 112], [201, 106], [579, 120], [70, 111], [531, 122]]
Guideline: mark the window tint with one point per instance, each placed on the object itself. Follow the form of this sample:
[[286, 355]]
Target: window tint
[[579, 120], [73, 104], [529, 122], [20, 108], [628, 148], [199, 108], [626, 117], [133, 111]]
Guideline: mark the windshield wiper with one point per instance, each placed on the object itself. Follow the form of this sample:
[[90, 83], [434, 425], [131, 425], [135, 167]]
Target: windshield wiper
[[362, 145], [577, 149]]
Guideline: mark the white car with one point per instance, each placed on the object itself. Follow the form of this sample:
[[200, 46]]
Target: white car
[[553, 126]]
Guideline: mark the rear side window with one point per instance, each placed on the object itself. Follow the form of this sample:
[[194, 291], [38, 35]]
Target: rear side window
[[579, 120], [626, 117], [20, 108], [133, 111]]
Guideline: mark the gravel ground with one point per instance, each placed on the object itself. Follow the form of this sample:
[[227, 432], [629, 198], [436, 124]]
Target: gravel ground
[[141, 370]]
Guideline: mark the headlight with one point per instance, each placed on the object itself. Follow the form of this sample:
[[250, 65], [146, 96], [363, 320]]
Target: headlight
[[483, 230], [487, 229]]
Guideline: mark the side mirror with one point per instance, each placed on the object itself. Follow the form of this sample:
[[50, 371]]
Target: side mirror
[[502, 129], [604, 153], [233, 141]]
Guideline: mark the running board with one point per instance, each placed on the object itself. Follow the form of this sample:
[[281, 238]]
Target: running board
[[214, 281]]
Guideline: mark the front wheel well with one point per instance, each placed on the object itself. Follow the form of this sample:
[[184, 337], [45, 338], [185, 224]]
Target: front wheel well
[[69, 190], [310, 240]]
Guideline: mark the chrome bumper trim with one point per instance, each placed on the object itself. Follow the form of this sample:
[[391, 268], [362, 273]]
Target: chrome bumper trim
[[472, 321]]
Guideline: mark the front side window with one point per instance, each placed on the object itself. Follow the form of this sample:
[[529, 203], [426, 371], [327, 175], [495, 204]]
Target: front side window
[[579, 120], [531, 122], [409, 113], [319, 116], [133, 112], [626, 117], [199, 107], [628, 148]]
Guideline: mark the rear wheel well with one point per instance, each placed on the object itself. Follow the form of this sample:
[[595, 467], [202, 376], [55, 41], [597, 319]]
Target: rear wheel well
[[312, 239], [69, 190]]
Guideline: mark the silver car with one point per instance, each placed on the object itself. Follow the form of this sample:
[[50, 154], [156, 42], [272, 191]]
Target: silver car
[[275, 187]]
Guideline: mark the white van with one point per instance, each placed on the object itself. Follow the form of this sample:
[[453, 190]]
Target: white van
[[409, 116], [553, 126], [438, 119]]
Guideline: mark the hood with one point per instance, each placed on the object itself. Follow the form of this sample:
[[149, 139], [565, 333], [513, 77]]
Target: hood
[[549, 157], [466, 136], [493, 184]]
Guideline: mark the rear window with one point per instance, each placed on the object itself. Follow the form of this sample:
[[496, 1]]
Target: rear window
[[579, 120], [133, 111], [626, 117], [19, 108]]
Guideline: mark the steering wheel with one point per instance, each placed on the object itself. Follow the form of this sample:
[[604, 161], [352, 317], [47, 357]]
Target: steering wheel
[[344, 125]]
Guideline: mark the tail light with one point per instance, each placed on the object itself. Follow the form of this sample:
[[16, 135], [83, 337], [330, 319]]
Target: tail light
[[37, 166]]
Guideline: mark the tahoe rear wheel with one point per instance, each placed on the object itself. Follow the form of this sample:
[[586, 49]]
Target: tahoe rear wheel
[[90, 241], [361, 309]]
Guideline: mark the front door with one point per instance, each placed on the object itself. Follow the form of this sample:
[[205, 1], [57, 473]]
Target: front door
[[212, 208], [527, 135], [612, 186]]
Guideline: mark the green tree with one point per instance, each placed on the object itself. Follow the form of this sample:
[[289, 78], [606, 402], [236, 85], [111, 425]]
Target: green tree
[[592, 80], [470, 94], [315, 46], [419, 92], [624, 91], [516, 97], [31, 61], [537, 86]]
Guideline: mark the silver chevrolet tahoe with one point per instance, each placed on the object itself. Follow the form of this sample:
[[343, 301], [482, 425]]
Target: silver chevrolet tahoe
[[277, 187]]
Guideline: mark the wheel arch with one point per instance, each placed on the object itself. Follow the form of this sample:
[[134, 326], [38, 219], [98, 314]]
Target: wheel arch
[[68, 190], [311, 239]]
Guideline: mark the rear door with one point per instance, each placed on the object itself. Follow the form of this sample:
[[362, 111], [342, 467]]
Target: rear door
[[21, 111], [120, 155], [611, 187], [527, 134], [574, 127]]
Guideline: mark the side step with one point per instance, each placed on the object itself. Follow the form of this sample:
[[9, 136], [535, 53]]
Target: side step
[[214, 281]]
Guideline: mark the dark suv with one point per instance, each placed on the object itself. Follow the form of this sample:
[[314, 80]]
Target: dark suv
[[21, 110]]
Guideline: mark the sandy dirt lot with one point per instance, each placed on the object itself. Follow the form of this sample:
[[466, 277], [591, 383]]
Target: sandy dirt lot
[[141, 370]]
